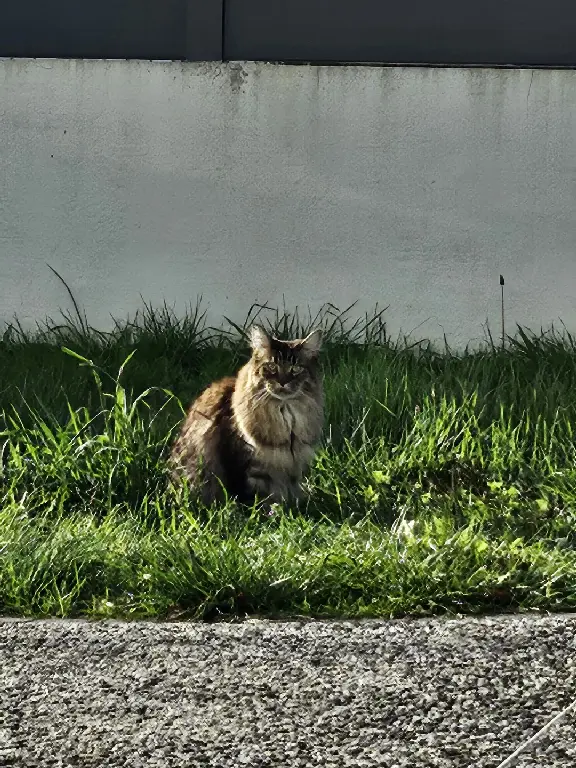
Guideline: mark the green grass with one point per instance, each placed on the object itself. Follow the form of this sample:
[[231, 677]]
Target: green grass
[[446, 482]]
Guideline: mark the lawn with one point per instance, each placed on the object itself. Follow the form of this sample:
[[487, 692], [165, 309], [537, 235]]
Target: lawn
[[446, 481]]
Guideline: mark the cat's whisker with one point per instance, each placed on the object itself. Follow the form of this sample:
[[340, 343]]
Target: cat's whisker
[[254, 400]]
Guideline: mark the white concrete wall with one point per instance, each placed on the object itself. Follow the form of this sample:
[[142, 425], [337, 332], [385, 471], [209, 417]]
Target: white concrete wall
[[409, 187]]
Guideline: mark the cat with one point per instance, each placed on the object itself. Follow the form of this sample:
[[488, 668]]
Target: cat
[[253, 436]]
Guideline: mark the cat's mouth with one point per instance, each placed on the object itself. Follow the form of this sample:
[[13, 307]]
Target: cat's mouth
[[283, 395]]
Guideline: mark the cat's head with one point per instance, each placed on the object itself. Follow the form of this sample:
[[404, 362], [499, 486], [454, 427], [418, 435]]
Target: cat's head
[[284, 369]]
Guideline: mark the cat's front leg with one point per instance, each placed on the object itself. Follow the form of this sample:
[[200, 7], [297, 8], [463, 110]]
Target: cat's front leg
[[260, 484], [295, 490]]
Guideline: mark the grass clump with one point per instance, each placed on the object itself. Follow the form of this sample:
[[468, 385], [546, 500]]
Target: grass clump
[[446, 482]]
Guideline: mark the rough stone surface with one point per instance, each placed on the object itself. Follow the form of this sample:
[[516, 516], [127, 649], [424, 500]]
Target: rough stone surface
[[400, 694]]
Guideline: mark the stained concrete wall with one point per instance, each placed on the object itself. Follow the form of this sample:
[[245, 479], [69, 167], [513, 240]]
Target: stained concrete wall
[[408, 187]]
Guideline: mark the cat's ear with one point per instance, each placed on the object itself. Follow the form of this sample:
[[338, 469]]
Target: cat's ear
[[312, 343], [259, 340]]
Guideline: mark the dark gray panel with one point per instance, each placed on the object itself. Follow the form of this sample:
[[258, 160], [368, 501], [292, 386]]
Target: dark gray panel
[[514, 32], [204, 30], [149, 29]]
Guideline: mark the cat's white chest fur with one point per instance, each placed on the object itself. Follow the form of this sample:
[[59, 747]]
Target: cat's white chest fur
[[298, 421], [289, 437], [289, 417], [294, 435]]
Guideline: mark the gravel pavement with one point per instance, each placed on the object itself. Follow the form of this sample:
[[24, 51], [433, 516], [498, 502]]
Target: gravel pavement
[[448, 693]]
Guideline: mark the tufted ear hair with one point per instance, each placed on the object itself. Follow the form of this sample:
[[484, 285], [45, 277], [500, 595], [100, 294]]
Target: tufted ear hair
[[259, 340], [312, 343]]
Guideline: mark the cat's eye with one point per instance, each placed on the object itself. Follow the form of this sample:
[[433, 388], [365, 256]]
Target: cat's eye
[[270, 368], [296, 369]]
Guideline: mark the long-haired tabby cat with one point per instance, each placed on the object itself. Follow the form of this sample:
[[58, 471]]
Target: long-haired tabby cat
[[253, 435]]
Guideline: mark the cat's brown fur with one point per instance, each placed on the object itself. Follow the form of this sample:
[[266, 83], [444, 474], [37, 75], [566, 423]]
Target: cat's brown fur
[[254, 435]]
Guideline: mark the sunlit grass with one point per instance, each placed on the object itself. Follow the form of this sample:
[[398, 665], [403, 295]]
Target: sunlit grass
[[445, 482]]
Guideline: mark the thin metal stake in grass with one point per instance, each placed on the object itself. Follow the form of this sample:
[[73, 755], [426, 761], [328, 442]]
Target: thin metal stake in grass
[[510, 760], [502, 305]]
